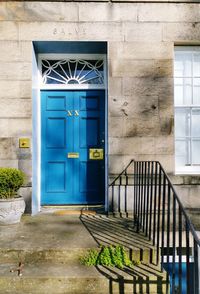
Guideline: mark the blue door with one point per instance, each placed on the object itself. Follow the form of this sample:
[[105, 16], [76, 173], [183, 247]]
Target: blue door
[[72, 147]]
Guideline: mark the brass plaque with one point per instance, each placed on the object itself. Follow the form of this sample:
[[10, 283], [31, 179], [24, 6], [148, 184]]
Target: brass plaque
[[73, 155], [96, 154], [24, 143]]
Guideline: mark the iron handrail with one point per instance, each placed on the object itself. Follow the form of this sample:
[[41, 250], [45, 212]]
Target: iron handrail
[[124, 171], [160, 215], [181, 205]]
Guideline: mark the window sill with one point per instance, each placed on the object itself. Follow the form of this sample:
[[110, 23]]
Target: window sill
[[188, 170]]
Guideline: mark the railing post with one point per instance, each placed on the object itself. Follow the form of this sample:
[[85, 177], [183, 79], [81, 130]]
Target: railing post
[[196, 269], [155, 201], [158, 218]]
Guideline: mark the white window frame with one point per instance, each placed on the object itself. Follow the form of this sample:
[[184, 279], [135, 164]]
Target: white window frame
[[190, 168]]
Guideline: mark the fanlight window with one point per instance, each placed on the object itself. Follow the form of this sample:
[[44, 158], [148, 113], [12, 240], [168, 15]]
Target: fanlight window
[[69, 71]]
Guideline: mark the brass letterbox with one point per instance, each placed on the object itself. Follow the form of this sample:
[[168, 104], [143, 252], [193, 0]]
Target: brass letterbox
[[73, 155], [24, 143], [96, 154]]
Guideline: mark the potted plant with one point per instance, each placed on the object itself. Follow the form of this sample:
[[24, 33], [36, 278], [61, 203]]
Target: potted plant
[[12, 205]]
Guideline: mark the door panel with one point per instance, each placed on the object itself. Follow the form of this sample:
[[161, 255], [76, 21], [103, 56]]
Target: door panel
[[56, 176], [72, 121]]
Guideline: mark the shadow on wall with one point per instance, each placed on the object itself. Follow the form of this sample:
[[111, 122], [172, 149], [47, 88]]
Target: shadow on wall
[[142, 278]]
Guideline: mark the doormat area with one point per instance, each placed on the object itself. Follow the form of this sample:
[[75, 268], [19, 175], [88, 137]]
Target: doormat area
[[74, 212]]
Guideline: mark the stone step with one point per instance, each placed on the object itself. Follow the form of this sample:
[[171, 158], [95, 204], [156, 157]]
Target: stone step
[[193, 214], [70, 256], [53, 278]]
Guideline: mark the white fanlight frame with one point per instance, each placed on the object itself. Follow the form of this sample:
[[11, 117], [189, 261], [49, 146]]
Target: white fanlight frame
[[73, 58]]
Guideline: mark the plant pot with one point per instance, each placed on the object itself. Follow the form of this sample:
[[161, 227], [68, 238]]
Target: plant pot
[[11, 210]]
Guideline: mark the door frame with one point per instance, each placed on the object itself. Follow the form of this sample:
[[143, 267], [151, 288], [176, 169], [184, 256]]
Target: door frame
[[37, 86]]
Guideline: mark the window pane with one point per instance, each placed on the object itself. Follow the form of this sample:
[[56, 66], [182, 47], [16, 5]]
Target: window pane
[[183, 91], [196, 91], [196, 65], [196, 123], [182, 152], [182, 122], [183, 65], [196, 151]]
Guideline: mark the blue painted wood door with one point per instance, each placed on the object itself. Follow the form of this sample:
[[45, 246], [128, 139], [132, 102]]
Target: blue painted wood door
[[72, 122]]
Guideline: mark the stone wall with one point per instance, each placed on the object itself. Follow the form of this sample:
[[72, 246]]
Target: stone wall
[[141, 38]]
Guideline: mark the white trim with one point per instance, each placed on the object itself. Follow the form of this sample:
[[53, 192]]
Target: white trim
[[36, 118], [36, 130], [186, 169], [71, 86]]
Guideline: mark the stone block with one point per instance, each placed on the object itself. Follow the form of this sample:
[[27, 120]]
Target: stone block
[[142, 32], [141, 146], [137, 126], [26, 193], [164, 145], [38, 11], [51, 11], [118, 162], [141, 50], [132, 145], [70, 31], [107, 12], [8, 148], [148, 86], [15, 127], [116, 127], [8, 30], [9, 163], [182, 32], [189, 195], [166, 12], [116, 106], [15, 89], [142, 68], [15, 71], [15, 108], [167, 161], [114, 86], [143, 107], [18, 51], [26, 167]]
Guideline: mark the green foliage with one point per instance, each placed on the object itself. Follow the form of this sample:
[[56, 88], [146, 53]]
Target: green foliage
[[90, 258], [11, 179], [108, 256]]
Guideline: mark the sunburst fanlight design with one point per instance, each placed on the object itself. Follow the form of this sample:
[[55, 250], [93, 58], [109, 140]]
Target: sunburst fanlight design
[[69, 71]]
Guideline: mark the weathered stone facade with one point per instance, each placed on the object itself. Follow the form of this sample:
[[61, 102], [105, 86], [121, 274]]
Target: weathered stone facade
[[141, 39]]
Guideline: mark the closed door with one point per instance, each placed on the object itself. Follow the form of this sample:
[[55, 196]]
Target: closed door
[[72, 147]]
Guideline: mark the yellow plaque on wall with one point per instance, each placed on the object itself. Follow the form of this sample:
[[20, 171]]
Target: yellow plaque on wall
[[24, 143]]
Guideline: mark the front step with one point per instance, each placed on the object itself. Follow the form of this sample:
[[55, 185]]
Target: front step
[[50, 247], [145, 255], [57, 278]]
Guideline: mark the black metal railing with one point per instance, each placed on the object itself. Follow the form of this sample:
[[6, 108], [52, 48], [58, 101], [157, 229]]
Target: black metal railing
[[159, 214]]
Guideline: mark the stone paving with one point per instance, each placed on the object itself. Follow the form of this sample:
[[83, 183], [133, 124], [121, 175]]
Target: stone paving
[[50, 245]]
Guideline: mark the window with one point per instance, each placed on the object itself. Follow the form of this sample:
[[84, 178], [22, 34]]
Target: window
[[187, 109]]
